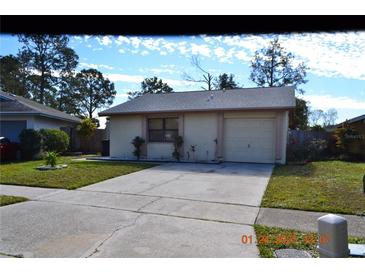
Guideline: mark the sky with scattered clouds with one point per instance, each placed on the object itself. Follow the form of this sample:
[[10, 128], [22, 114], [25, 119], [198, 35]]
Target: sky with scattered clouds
[[336, 61]]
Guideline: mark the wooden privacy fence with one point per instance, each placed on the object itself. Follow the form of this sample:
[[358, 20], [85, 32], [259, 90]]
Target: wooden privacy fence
[[303, 137], [91, 144]]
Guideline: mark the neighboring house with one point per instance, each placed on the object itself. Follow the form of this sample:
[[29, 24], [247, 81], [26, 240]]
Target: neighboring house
[[18, 113], [357, 146], [357, 123], [240, 125]]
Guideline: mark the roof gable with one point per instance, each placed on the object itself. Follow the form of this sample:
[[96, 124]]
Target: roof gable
[[13, 104]]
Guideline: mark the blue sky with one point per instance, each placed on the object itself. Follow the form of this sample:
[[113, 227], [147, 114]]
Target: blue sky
[[336, 61]]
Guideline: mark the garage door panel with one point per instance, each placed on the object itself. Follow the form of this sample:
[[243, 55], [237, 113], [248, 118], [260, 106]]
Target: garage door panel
[[249, 140], [12, 129]]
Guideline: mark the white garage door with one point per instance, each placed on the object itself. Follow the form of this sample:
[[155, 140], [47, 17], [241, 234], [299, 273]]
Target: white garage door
[[249, 140]]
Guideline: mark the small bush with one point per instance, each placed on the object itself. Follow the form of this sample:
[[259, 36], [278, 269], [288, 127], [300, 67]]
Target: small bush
[[297, 153], [178, 142], [316, 148], [30, 143], [350, 143], [86, 127], [137, 142], [51, 158], [54, 140]]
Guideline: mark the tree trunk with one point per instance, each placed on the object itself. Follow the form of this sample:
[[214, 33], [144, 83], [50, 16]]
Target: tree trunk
[[41, 96]]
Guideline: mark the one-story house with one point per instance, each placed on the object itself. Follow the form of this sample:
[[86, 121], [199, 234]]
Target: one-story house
[[357, 146], [356, 123], [239, 125], [18, 113]]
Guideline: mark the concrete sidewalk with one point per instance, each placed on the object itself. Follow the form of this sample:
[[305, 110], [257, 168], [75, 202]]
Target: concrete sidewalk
[[31, 193], [171, 210], [306, 220]]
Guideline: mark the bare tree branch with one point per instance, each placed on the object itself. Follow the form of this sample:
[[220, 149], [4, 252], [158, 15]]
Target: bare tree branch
[[207, 77]]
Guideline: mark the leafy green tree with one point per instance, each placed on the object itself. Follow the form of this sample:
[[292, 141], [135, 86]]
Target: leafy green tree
[[93, 91], [151, 85], [46, 57], [67, 83], [66, 95], [274, 67], [300, 115], [86, 128], [13, 76], [225, 81]]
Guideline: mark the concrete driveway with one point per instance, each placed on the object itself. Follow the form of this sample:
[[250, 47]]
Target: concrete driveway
[[172, 210]]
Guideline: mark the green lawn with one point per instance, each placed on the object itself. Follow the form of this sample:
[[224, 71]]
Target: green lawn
[[77, 174], [328, 186], [270, 239], [8, 200]]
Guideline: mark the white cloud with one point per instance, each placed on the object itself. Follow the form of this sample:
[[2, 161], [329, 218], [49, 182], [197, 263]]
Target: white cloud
[[219, 52], [135, 41], [96, 66], [152, 44], [182, 48], [117, 77], [144, 52], [170, 47], [242, 55], [122, 40], [227, 57], [105, 40], [202, 49], [122, 95], [326, 54], [327, 101]]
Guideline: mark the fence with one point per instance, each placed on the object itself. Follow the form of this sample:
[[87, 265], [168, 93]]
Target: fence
[[303, 137], [91, 144]]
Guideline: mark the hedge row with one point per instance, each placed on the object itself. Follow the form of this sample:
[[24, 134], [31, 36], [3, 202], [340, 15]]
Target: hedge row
[[33, 141]]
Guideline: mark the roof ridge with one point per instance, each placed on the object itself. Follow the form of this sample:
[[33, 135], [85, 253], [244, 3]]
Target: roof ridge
[[193, 91]]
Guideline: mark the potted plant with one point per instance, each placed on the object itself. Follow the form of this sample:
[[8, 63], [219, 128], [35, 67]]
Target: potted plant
[[137, 142], [178, 142]]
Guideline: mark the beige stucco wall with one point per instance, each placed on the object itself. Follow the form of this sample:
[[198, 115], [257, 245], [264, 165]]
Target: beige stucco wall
[[43, 122], [284, 128], [200, 129], [122, 131], [160, 151]]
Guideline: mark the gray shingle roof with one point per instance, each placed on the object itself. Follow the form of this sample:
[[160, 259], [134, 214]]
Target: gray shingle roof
[[246, 98], [19, 105]]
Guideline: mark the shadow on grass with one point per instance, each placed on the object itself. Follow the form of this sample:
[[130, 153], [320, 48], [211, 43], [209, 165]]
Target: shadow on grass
[[298, 170]]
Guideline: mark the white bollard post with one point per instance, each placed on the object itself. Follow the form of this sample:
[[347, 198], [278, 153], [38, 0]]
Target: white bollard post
[[332, 237]]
